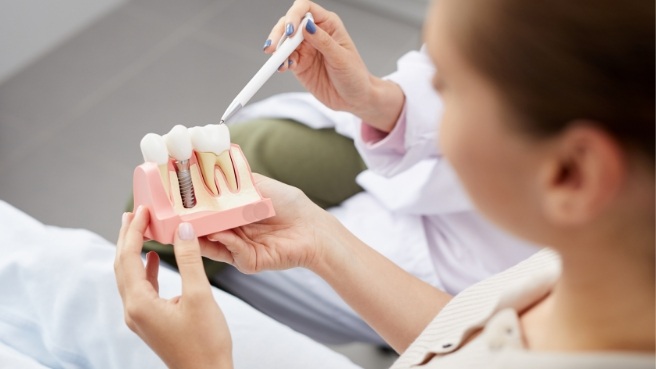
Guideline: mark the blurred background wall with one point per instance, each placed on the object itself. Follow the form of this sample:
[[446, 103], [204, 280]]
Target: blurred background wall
[[30, 28]]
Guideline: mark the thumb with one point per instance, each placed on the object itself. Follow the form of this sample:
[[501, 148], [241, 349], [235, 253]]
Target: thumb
[[188, 258]]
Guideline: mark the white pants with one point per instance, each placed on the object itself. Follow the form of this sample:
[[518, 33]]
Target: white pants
[[60, 308]]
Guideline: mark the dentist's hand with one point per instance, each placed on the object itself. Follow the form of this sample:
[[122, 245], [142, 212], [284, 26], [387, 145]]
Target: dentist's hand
[[188, 331], [329, 66], [294, 237]]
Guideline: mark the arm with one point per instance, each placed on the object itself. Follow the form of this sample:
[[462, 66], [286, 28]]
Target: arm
[[394, 303], [329, 66], [397, 305]]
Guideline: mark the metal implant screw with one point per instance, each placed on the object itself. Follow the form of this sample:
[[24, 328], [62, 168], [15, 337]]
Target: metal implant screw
[[185, 183]]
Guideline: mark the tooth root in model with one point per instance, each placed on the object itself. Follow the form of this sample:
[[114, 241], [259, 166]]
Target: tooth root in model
[[153, 149], [178, 143], [212, 146], [206, 158]]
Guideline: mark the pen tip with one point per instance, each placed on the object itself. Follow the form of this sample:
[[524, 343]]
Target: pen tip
[[222, 121]]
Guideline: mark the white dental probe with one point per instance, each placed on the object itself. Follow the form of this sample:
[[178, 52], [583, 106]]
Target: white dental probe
[[285, 48]]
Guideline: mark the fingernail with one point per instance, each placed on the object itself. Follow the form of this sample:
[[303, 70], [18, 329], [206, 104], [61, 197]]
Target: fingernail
[[311, 27], [186, 231], [267, 43], [289, 29], [124, 219], [139, 211], [289, 63]]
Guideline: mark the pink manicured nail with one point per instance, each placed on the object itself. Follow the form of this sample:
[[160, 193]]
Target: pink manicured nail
[[186, 231]]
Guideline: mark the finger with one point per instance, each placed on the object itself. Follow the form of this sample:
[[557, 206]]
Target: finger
[[321, 40], [130, 267], [227, 238], [273, 189], [294, 16], [190, 263], [301, 7], [257, 178], [293, 60], [274, 36], [234, 242], [319, 13], [284, 66], [126, 218], [215, 251], [125, 222], [152, 269]]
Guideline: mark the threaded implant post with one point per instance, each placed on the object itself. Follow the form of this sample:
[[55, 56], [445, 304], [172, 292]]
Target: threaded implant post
[[185, 183]]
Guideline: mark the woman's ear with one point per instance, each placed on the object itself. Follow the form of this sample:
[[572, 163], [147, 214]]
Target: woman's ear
[[584, 171]]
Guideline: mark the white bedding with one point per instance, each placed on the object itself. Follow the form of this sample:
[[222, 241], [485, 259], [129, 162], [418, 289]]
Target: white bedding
[[59, 308]]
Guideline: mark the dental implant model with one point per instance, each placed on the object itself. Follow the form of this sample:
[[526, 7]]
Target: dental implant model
[[196, 175], [178, 143], [153, 149], [212, 144]]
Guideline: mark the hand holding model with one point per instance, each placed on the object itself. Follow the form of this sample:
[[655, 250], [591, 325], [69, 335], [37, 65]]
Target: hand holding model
[[292, 238], [195, 334], [329, 66]]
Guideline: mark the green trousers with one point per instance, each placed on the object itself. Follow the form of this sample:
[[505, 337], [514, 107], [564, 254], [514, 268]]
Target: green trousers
[[322, 163]]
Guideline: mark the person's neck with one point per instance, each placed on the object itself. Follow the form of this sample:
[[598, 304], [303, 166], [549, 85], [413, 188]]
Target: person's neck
[[604, 301]]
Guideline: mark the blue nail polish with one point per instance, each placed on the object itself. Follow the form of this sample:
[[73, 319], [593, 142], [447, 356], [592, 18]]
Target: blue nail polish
[[267, 43], [289, 29], [311, 27], [289, 63]]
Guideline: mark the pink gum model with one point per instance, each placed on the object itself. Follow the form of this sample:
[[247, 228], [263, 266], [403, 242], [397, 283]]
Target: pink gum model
[[210, 215]]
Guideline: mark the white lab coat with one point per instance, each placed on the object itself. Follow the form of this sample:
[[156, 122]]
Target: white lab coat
[[413, 209]]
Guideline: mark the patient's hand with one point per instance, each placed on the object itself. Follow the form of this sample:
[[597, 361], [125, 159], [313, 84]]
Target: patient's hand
[[188, 331], [294, 237]]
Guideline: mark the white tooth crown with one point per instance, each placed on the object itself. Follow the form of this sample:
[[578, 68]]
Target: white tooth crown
[[153, 149], [212, 146], [178, 142], [219, 174], [210, 138]]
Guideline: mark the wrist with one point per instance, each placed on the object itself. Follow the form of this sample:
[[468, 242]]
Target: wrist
[[384, 105], [333, 243]]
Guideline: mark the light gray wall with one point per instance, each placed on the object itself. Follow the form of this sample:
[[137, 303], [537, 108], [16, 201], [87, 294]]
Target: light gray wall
[[411, 11], [30, 28]]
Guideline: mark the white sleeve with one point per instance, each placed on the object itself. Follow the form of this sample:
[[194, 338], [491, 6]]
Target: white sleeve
[[414, 139], [408, 173]]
